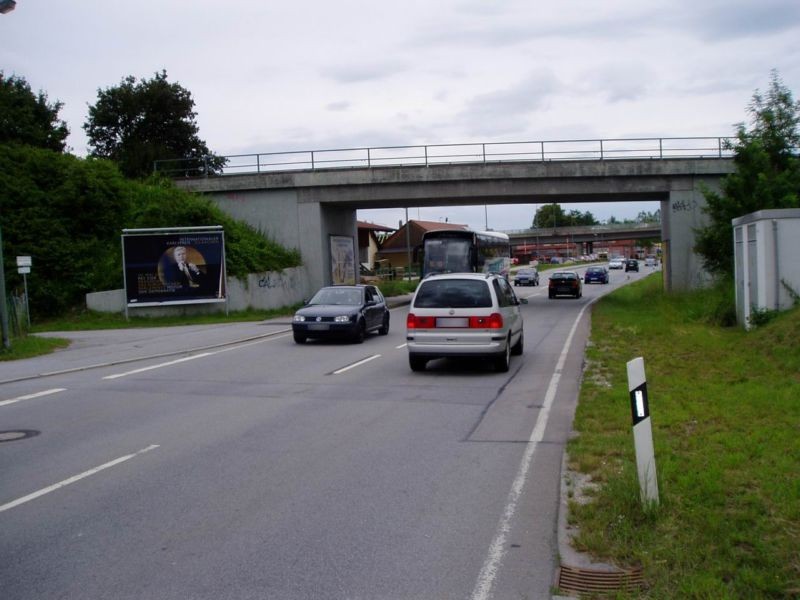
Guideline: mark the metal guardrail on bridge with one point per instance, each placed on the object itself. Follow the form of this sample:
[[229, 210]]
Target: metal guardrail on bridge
[[449, 154]]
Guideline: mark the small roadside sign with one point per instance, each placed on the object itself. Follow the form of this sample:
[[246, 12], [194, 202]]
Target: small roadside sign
[[24, 261], [23, 270]]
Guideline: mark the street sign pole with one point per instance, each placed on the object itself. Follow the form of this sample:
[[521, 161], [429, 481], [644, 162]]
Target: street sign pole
[[23, 268], [27, 304], [642, 432]]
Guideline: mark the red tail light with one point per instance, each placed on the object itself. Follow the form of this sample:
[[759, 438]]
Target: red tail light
[[493, 321], [415, 322]]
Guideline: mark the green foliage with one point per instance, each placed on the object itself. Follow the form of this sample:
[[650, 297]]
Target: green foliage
[[767, 174], [725, 416], [64, 212], [68, 213], [28, 118], [135, 124], [552, 215]]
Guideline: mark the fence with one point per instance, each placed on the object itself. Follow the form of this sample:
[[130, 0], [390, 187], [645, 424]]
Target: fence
[[438, 154]]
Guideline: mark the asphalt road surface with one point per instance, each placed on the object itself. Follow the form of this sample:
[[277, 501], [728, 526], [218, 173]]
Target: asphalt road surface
[[267, 469]]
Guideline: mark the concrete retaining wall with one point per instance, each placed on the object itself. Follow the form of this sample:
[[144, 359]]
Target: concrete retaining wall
[[261, 291]]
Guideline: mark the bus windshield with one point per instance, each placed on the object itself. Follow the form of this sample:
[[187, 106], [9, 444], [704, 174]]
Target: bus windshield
[[464, 251], [447, 255]]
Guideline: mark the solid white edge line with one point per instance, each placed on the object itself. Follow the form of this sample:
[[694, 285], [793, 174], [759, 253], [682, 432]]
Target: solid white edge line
[[358, 364], [158, 366], [32, 396], [494, 557], [66, 482]]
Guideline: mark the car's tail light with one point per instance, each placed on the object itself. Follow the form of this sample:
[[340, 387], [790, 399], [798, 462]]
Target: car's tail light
[[493, 321], [415, 322]]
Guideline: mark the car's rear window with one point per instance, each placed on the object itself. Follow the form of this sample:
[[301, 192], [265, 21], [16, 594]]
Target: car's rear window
[[453, 293], [562, 276]]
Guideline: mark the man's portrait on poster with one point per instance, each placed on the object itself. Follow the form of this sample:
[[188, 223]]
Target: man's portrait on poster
[[182, 268]]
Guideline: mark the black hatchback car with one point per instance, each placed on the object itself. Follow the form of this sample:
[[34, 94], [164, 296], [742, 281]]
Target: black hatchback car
[[631, 265], [342, 311], [565, 283]]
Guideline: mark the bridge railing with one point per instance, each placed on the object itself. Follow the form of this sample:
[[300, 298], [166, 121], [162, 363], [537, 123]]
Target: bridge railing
[[448, 154]]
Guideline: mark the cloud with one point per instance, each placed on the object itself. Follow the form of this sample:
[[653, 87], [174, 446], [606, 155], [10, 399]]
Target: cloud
[[358, 73], [732, 19], [338, 106], [504, 111]]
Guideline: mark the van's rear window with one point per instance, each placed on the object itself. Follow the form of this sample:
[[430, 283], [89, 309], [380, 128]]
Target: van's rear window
[[453, 293]]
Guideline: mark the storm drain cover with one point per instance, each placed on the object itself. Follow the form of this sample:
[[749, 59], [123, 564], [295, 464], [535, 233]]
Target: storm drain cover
[[13, 436], [591, 581]]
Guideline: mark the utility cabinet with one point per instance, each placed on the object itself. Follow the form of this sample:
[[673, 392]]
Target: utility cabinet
[[767, 261]]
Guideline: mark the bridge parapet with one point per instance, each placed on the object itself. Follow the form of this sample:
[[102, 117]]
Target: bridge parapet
[[449, 154]]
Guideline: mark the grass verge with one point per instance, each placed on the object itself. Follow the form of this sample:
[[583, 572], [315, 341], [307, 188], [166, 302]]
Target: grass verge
[[91, 320], [29, 346], [725, 411]]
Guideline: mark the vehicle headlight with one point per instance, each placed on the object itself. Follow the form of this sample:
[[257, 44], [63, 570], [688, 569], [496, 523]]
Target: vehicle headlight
[[342, 319], [299, 319]]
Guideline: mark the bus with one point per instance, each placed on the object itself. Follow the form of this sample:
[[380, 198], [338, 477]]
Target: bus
[[465, 251]]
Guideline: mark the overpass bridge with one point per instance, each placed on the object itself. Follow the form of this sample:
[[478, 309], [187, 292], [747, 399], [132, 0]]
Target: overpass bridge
[[590, 237], [300, 199]]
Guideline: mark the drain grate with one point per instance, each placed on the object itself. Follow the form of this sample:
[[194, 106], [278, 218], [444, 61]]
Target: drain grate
[[592, 581], [13, 436]]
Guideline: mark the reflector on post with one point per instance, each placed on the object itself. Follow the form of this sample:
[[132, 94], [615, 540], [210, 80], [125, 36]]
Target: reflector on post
[[642, 432]]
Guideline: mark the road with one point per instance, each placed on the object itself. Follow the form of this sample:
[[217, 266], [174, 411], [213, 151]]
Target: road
[[266, 469]]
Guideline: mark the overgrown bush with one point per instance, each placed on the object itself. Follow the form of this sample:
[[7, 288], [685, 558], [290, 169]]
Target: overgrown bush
[[68, 213]]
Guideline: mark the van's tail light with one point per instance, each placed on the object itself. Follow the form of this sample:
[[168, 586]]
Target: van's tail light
[[493, 321], [415, 322]]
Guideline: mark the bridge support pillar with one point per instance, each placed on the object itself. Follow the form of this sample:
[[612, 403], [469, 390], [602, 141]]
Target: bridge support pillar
[[681, 214], [317, 223]]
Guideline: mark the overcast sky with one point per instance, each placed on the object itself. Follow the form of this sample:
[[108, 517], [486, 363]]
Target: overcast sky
[[276, 76]]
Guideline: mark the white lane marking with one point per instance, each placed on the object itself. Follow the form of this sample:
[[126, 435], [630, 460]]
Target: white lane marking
[[31, 396], [494, 557], [401, 346], [358, 364], [66, 482], [245, 345], [158, 366], [204, 354]]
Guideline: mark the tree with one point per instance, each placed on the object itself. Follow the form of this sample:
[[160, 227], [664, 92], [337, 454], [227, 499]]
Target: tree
[[767, 173], [552, 215], [135, 124], [649, 217], [28, 118]]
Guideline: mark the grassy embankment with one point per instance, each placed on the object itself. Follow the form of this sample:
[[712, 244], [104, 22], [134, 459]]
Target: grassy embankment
[[725, 409]]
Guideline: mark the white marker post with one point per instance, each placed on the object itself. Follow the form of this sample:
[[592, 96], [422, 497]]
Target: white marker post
[[642, 432]]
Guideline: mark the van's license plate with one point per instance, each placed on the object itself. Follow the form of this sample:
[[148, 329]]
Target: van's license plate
[[452, 322]]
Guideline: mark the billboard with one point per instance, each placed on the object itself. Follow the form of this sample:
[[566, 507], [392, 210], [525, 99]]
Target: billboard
[[343, 261], [174, 266]]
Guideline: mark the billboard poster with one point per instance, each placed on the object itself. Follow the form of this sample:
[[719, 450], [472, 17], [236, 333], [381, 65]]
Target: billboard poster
[[176, 267], [343, 261]]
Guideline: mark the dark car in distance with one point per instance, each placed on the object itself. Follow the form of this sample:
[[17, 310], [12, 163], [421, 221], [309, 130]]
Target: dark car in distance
[[565, 283], [342, 311], [631, 265], [526, 277], [596, 275]]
